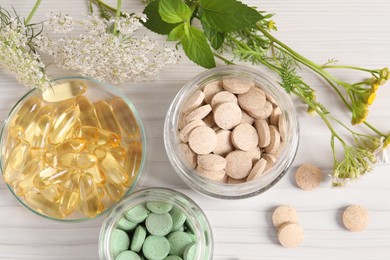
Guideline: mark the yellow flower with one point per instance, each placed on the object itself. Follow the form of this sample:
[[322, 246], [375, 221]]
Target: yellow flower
[[371, 97], [271, 25], [386, 142], [385, 74]]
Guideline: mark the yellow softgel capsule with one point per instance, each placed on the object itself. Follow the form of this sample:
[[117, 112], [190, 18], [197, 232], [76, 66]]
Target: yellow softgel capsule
[[133, 161], [73, 145], [42, 130], [98, 136], [16, 132], [25, 181], [26, 113], [64, 125], [112, 169], [125, 116], [90, 203], [80, 160], [118, 152], [100, 190], [52, 193], [41, 204], [47, 110], [16, 162], [106, 117], [97, 174], [51, 176], [114, 191], [70, 196], [11, 143], [88, 114], [64, 91]]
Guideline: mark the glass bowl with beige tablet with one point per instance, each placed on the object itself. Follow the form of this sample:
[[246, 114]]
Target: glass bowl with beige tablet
[[231, 132], [72, 151]]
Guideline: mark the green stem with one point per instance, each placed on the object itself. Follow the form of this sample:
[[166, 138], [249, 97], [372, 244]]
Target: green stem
[[223, 58], [117, 14], [90, 7], [112, 9], [346, 67], [324, 74], [32, 13]]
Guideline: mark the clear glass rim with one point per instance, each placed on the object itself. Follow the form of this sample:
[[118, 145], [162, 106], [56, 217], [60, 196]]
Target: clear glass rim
[[222, 190], [111, 90], [158, 194]]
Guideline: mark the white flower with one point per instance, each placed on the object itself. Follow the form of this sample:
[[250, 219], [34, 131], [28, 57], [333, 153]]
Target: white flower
[[101, 54], [14, 55], [60, 23]]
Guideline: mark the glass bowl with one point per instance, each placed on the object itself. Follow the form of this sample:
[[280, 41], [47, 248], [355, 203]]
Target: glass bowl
[[194, 218], [222, 189], [72, 151]]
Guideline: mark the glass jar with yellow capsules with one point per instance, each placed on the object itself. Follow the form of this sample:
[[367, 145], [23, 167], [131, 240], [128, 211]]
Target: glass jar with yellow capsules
[[72, 151]]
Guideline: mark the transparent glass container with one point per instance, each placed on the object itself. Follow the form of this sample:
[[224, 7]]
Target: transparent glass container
[[220, 189], [195, 217], [96, 91]]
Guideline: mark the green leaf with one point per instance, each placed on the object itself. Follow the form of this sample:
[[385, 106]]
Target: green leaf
[[177, 33], [215, 38], [174, 11], [227, 15], [197, 49], [154, 21]]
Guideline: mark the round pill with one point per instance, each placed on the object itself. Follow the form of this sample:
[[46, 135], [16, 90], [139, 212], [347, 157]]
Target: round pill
[[262, 113], [246, 119], [212, 175], [270, 158], [138, 239], [212, 162], [185, 132], [227, 115], [235, 181], [254, 99], [202, 140], [244, 137], [238, 164], [137, 214], [224, 143], [222, 97], [209, 120], [211, 89], [126, 224], [257, 170], [190, 252], [308, 177], [271, 99], [158, 207], [290, 235], [237, 86], [193, 101], [178, 218], [173, 257], [156, 247], [274, 142], [159, 224], [263, 132], [119, 242], [128, 255], [178, 241], [282, 127], [274, 117], [254, 154], [199, 113], [284, 214], [189, 155], [355, 218]]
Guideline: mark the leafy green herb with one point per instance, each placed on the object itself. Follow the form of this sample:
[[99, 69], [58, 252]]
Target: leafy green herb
[[215, 38], [227, 15], [197, 49], [177, 33], [154, 22], [174, 11]]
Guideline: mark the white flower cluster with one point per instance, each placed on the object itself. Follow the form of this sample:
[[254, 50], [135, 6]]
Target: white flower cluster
[[15, 58], [60, 23], [102, 54]]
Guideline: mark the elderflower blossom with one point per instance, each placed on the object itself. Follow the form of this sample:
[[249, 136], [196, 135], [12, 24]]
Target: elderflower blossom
[[60, 23], [102, 54], [14, 55]]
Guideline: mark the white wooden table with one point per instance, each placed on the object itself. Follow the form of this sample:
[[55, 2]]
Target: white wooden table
[[355, 32]]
